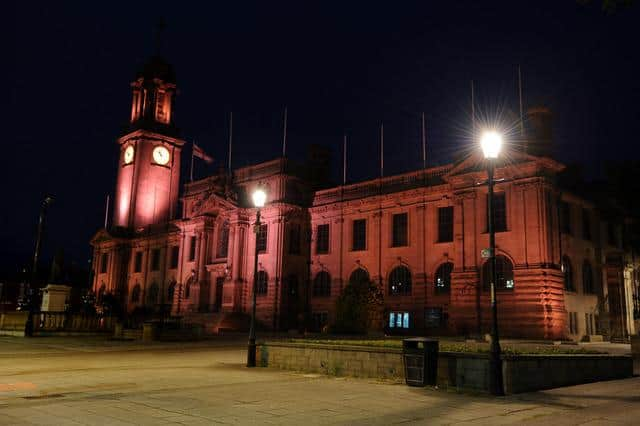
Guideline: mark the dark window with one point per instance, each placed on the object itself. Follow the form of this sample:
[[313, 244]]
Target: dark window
[[322, 239], [104, 263], [294, 239], [398, 319], [223, 240], [445, 224], [192, 248], [155, 259], [170, 292], [400, 281], [504, 274], [359, 235], [152, 294], [135, 294], [499, 212], [137, 265], [359, 278], [261, 238], [586, 224], [568, 274], [587, 278], [400, 229], [565, 217], [611, 234], [322, 284], [442, 281], [262, 283], [175, 253]]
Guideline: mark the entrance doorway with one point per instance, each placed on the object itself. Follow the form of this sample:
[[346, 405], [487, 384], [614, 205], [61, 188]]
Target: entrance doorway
[[217, 307]]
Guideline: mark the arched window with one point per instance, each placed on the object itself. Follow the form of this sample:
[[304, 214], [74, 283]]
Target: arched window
[[135, 294], [171, 291], [223, 240], [359, 277], [152, 294], [442, 279], [504, 274], [567, 271], [400, 281], [587, 278], [262, 283], [322, 284]]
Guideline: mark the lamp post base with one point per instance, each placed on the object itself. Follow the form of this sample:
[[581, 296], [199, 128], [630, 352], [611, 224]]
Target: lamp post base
[[251, 353]]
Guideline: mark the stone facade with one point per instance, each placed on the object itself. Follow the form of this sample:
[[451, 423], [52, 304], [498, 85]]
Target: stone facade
[[418, 235]]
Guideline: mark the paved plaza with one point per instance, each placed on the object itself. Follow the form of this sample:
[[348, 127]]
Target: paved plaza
[[98, 382]]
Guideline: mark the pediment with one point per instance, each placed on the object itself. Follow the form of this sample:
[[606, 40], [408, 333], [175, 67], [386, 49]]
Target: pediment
[[514, 164]]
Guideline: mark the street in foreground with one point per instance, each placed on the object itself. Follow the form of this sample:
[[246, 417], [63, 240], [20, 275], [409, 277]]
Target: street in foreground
[[73, 381]]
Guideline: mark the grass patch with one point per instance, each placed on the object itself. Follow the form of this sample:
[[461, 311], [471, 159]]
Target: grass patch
[[521, 349]]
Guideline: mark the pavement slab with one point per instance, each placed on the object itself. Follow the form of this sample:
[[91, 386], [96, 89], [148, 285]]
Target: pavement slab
[[96, 381]]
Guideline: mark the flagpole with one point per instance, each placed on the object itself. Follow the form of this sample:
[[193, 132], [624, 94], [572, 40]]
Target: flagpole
[[344, 160], [381, 149], [106, 212], [473, 114], [521, 111], [192, 149], [284, 136], [424, 144], [230, 139]]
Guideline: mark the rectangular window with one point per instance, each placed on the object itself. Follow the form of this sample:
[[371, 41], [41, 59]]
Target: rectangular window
[[445, 224], [400, 229], [322, 239], [223, 241], [175, 253], [398, 319], [137, 265], [261, 238], [586, 224], [565, 217], [359, 235], [499, 212], [104, 263], [155, 259], [294, 239], [192, 248]]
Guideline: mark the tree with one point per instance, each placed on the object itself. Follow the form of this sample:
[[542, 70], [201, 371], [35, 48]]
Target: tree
[[358, 309]]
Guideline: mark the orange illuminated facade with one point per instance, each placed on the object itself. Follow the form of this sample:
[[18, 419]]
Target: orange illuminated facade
[[563, 268]]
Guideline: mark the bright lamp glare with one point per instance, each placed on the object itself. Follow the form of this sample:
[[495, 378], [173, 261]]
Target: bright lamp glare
[[259, 198], [491, 144]]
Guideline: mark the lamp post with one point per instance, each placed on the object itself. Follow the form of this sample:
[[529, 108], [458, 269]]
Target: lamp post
[[259, 197], [491, 143]]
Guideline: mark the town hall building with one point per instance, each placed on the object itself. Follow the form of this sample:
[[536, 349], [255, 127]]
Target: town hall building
[[562, 264]]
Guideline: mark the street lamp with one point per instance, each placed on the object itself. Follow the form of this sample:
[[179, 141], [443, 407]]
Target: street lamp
[[259, 197], [491, 143]]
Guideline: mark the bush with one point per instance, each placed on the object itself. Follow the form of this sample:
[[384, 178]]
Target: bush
[[359, 308]]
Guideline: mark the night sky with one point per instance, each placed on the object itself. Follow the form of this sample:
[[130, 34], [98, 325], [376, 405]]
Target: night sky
[[338, 67]]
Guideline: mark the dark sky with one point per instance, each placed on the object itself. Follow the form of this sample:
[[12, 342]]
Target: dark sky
[[339, 67]]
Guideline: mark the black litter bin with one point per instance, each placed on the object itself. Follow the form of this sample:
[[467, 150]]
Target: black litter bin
[[420, 356]]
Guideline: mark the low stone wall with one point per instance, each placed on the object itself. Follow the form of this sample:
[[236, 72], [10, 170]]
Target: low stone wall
[[13, 323], [635, 353], [461, 371]]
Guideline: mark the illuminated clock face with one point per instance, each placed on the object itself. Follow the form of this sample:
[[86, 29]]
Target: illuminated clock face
[[128, 154], [161, 155]]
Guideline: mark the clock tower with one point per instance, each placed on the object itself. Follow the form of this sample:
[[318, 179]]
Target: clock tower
[[149, 153]]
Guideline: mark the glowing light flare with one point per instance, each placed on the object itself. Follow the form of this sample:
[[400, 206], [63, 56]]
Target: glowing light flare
[[259, 197], [491, 144]]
